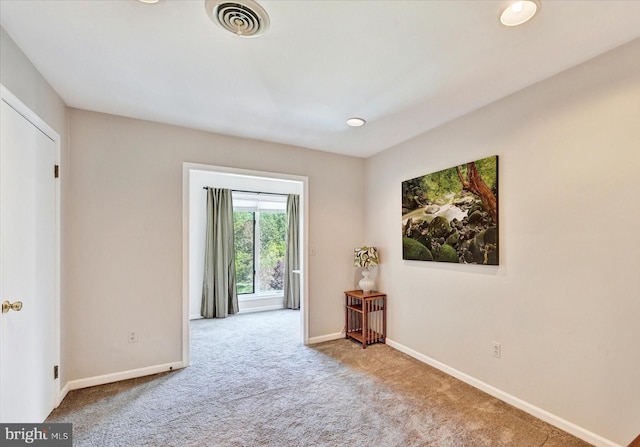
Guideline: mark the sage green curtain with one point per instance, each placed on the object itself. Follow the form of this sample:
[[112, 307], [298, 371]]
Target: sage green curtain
[[292, 254], [219, 296]]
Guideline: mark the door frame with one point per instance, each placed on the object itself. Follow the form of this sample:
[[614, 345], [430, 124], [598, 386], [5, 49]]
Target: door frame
[[187, 169], [15, 103]]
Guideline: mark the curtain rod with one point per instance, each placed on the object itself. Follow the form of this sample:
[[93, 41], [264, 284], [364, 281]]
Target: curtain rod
[[253, 192]]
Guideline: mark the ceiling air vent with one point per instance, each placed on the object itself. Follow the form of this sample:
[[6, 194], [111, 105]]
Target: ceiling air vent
[[244, 18]]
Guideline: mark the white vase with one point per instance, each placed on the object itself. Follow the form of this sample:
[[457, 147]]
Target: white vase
[[366, 284]]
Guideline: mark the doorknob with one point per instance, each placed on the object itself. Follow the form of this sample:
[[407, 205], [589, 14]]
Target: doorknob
[[7, 306]]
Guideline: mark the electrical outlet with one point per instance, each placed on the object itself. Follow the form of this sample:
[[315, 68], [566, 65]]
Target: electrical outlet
[[133, 337], [496, 349]]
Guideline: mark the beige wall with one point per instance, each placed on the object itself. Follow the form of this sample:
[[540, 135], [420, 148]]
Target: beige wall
[[126, 220], [22, 79], [564, 301]]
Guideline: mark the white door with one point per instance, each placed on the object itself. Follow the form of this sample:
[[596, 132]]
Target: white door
[[27, 269]]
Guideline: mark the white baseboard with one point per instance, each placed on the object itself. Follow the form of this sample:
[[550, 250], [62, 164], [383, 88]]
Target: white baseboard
[[328, 337], [544, 415], [63, 393], [116, 377], [550, 418], [195, 317]]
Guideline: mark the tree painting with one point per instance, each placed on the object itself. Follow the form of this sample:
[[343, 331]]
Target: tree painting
[[452, 215]]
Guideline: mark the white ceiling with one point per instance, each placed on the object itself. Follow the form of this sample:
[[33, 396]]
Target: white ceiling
[[404, 66]]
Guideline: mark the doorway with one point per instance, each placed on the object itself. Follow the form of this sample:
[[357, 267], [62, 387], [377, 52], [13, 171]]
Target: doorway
[[29, 266], [195, 178]]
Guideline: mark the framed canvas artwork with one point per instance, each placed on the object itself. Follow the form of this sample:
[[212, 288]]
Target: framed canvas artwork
[[452, 215]]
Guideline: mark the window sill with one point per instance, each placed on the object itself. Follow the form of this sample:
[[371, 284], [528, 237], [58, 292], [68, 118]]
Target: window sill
[[260, 296]]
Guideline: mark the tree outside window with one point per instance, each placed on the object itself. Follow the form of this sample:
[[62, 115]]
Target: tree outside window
[[260, 249]]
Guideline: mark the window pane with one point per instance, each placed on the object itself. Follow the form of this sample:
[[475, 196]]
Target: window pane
[[243, 233], [272, 228]]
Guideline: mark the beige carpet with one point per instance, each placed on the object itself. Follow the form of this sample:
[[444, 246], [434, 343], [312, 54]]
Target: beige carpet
[[252, 383]]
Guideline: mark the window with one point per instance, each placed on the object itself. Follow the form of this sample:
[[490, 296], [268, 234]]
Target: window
[[260, 233]]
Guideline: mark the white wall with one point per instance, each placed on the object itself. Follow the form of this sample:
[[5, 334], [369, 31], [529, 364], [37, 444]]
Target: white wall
[[565, 300], [19, 75], [198, 222], [126, 220]]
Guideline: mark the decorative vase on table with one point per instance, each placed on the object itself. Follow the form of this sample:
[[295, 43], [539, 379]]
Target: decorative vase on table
[[366, 257]]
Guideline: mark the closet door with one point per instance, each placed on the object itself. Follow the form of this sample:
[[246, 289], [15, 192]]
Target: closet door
[[28, 263]]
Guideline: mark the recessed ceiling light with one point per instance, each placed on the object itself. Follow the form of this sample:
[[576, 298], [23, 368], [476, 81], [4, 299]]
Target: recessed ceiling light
[[150, 2], [356, 122], [519, 12]]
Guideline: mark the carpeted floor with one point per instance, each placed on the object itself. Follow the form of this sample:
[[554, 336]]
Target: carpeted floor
[[252, 383]]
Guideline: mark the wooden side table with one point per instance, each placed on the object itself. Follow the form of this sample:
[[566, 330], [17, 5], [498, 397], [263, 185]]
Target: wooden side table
[[366, 316]]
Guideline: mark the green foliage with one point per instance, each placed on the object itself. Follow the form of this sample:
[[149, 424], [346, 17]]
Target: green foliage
[[414, 250], [438, 186], [243, 235], [272, 248], [447, 254], [412, 188], [487, 168]]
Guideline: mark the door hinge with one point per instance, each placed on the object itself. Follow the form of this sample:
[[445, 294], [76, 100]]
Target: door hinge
[[56, 171], [55, 372]]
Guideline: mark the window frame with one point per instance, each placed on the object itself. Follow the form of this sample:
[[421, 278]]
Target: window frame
[[257, 204]]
